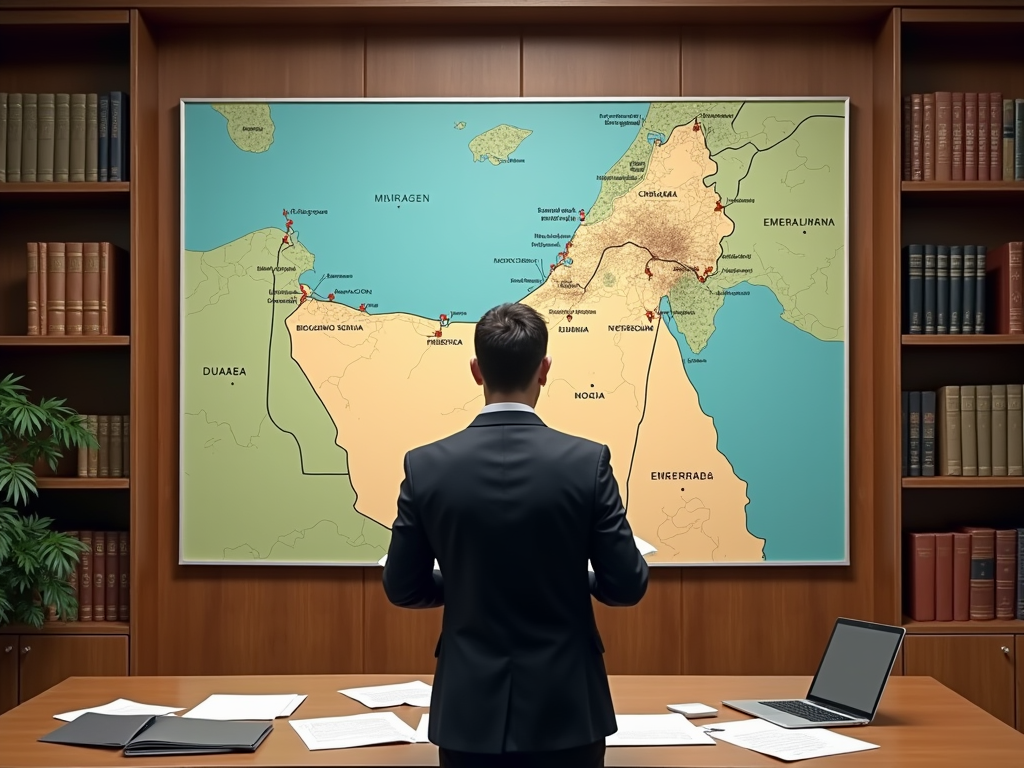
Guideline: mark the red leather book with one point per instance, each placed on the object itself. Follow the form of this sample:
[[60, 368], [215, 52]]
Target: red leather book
[[99, 576], [995, 136], [943, 576], [928, 137], [74, 300], [983, 135], [122, 573], [983, 583], [110, 594], [43, 289], [916, 136], [33, 288], [957, 135], [73, 582], [1006, 573], [961, 577], [85, 578], [91, 289], [1003, 284], [56, 276], [921, 562], [944, 136], [970, 137]]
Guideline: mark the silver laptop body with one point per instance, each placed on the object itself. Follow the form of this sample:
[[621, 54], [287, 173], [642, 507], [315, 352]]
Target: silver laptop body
[[848, 684]]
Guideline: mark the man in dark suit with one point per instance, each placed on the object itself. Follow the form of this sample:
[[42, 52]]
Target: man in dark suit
[[512, 511]]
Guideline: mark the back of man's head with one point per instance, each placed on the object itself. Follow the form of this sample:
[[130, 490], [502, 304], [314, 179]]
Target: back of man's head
[[511, 341]]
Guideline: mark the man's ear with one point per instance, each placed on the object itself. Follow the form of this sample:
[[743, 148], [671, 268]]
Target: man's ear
[[542, 372], [474, 368]]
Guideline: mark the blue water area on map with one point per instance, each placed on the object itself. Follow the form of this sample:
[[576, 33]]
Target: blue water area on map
[[775, 394], [424, 258], [652, 137]]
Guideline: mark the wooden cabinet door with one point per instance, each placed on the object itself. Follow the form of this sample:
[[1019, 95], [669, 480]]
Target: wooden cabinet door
[[978, 667], [8, 672], [47, 660], [1020, 684]]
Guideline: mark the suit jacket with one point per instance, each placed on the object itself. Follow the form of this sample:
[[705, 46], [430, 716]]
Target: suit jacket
[[512, 510]]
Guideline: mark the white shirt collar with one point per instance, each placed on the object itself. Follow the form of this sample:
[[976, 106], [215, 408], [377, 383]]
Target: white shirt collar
[[495, 407]]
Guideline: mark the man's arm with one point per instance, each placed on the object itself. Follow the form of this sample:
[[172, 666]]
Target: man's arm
[[410, 580], [620, 573]]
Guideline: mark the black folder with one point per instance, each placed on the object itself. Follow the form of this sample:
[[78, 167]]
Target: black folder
[[161, 735]]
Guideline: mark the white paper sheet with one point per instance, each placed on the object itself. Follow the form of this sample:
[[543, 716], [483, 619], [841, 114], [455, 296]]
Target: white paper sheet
[[289, 710], [353, 731], [120, 707], [226, 706], [644, 548], [786, 743], [384, 560], [655, 730], [415, 694], [421, 730]]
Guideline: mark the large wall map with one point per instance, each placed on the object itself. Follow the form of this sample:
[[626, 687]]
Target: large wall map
[[689, 256]]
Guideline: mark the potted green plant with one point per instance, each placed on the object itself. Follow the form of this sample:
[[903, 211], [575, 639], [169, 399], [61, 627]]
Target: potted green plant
[[35, 561]]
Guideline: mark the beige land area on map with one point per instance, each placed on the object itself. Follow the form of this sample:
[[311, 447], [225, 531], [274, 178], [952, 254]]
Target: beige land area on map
[[389, 386]]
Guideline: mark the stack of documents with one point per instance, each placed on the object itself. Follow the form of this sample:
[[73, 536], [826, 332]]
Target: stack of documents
[[246, 707], [355, 731], [119, 707], [655, 731], [784, 743], [414, 694], [155, 735]]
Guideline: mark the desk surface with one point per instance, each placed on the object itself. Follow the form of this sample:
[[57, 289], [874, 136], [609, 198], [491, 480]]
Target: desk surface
[[920, 724]]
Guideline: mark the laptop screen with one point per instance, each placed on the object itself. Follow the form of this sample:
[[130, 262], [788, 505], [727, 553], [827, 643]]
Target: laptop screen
[[856, 665]]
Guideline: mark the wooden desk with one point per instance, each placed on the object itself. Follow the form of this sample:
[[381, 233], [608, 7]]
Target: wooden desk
[[920, 724]]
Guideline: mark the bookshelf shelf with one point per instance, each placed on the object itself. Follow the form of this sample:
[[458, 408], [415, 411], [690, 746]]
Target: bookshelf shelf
[[64, 341], [63, 191], [995, 627], [943, 187], [980, 340], [94, 483], [69, 628], [963, 482]]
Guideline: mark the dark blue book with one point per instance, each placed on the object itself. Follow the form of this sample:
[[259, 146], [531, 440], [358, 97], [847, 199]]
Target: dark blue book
[[970, 270], [927, 434], [930, 288], [956, 287], [104, 137], [913, 301], [116, 135], [914, 408], [979, 290], [942, 290], [905, 430]]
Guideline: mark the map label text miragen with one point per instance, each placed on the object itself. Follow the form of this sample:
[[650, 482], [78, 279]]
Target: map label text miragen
[[419, 197]]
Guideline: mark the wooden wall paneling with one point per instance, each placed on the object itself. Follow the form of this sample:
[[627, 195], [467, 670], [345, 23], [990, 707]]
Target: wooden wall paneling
[[1020, 683], [645, 639], [9, 653], [237, 619], [766, 620], [396, 640], [417, 63], [48, 660], [146, 452], [582, 62], [885, 292]]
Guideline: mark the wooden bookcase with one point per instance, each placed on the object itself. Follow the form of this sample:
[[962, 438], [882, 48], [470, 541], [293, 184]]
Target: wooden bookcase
[[979, 659], [65, 52]]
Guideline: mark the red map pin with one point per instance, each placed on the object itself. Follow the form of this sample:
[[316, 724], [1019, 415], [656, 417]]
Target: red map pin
[[718, 206], [284, 239], [437, 334], [650, 315], [696, 126], [569, 318], [330, 297], [444, 317], [362, 307], [290, 222], [285, 213], [301, 299]]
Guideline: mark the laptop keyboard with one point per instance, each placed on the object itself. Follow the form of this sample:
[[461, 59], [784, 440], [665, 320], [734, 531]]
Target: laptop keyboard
[[807, 711]]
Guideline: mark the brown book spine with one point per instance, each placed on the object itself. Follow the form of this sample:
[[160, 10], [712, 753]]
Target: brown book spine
[[32, 269], [85, 578], [961, 577], [91, 289], [968, 432], [1004, 285], [92, 423], [99, 576], [957, 134], [983, 565], [111, 598], [983, 421], [83, 450], [922, 576], [983, 134], [126, 443], [73, 583], [116, 447], [106, 289], [1014, 431], [928, 137], [995, 136], [944, 577], [56, 278], [948, 419], [1006, 574], [907, 133], [943, 137], [103, 467], [62, 138], [970, 137], [123, 570], [77, 156], [74, 298], [44, 284], [916, 137]]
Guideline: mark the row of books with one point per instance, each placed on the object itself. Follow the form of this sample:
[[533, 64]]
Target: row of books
[[974, 574], [111, 458], [963, 136], [964, 431], [63, 137], [963, 289], [72, 288], [101, 581]]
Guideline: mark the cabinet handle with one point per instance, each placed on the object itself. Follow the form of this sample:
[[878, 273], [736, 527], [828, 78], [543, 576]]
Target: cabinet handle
[[8, 649], [26, 649], [1005, 650]]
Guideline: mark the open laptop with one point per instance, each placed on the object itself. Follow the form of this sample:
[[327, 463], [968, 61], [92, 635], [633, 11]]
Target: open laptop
[[848, 684]]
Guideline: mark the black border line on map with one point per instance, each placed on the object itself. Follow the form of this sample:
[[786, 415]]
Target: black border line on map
[[643, 413]]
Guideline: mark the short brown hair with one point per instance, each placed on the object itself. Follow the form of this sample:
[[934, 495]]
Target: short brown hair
[[510, 340]]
